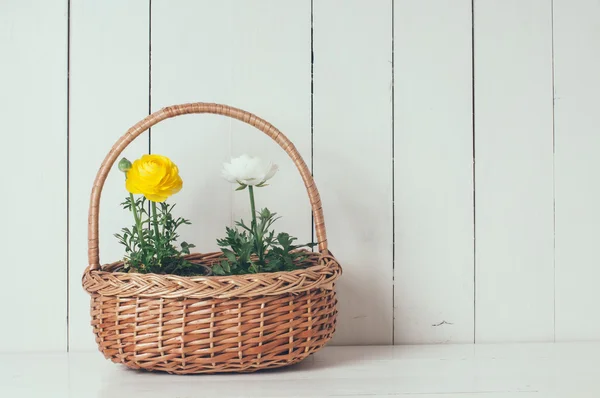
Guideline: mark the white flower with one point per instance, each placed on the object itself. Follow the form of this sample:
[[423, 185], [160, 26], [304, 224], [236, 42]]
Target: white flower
[[246, 170]]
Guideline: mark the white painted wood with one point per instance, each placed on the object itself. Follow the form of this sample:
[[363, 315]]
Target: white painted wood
[[33, 110], [577, 164], [109, 94], [252, 63], [192, 62], [270, 49], [488, 371], [513, 176], [433, 172], [352, 159], [255, 55]]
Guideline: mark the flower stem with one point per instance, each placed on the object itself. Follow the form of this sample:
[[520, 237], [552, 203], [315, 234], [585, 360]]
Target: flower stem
[[257, 238], [136, 217], [253, 207], [155, 222]]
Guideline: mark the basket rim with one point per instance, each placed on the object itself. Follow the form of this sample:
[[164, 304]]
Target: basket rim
[[104, 282]]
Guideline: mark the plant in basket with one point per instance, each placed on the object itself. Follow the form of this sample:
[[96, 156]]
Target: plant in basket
[[255, 248], [152, 249]]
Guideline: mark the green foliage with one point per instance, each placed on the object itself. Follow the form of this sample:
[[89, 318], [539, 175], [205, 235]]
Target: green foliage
[[256, 249], [153, 249]]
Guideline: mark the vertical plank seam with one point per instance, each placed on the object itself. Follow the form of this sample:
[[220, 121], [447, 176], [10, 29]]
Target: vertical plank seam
[[393, 111], [474, 172], [149, 83], [68, 176], [553, 175], [312, 113], [150, 72], [230, 124]]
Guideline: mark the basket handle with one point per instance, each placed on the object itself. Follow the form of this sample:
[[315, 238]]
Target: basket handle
[[199, 107]]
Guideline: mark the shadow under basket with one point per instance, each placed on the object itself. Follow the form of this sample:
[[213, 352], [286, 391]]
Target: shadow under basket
[[211, 324]]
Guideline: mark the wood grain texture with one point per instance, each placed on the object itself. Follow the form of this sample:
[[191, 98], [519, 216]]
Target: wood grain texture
[[33, 109], [271, 77], [352, 159], [577, 165], [192, 62], [514, 171], [109, 76], [433, 279]]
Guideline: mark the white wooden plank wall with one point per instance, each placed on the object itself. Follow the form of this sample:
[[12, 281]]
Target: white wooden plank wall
[[33, 142], [577, 163], [271, 77], [454, 146], [197, 69], [108, 94], [352, 159], [222, 70], [433, 278], [513, 171]]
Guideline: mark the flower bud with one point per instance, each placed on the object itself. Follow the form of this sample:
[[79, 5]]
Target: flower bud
[[124, 165]]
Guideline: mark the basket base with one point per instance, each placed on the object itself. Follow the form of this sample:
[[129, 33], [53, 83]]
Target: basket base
[[240, 367], [204, 336]]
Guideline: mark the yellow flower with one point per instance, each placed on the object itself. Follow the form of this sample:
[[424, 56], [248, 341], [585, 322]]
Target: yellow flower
[[154, 176]]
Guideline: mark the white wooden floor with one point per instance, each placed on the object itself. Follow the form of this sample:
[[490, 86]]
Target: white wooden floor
[[443, 371]]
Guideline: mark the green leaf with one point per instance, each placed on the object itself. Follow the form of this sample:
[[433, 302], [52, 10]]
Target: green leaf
[[185, 248], [225, 266], [217, 269], [284, 240], [243, 225], [230, 255]]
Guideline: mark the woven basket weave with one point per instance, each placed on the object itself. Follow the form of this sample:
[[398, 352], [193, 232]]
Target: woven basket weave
[[211, 324]]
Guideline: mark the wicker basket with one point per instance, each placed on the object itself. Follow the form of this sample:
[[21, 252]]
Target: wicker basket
[[211, 324]]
